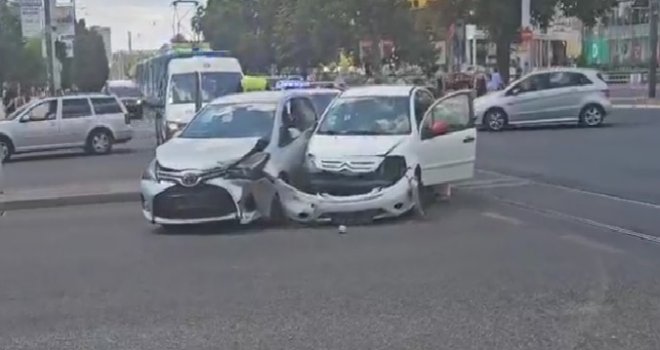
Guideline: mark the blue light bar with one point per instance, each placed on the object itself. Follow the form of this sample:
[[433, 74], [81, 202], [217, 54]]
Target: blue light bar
[[291, 84]]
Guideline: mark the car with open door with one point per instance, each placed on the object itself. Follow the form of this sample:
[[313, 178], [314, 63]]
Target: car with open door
[[223, 164], [377, 148]]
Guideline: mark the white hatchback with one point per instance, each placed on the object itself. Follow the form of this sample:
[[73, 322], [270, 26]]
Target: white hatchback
[[377, 147], [91, 121], [553, 96]]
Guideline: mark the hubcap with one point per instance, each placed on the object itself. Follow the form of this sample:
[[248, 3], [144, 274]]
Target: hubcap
[[496, 121], [592, 116], [100, 142]]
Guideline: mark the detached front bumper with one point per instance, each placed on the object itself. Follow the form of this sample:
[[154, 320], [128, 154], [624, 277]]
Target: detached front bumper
[[380, 203], [216, 200]]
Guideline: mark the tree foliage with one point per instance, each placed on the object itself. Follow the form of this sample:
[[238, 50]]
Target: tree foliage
[[309, 32], [90, 63], [22, 61]]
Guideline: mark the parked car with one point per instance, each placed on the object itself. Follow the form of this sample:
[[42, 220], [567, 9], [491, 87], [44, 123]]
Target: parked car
[[377, 148], [94, 122], [556, 96], [212, 169], [129, 94]]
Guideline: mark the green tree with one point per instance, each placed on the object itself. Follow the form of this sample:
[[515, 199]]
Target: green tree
[[10, 42], [91, 67]]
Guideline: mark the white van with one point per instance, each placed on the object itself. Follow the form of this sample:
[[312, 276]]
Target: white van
[[210, 77]]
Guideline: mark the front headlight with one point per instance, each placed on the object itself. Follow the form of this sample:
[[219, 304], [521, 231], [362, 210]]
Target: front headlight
[[250, 167], [151, 173]]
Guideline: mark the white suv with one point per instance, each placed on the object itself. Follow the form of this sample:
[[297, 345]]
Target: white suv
[[91, 121]]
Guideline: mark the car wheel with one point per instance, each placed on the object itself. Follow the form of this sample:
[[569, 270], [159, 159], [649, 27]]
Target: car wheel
[[592, 116], [495, 119], [424, 195], [277, 215], [99, 142], [5, 149]]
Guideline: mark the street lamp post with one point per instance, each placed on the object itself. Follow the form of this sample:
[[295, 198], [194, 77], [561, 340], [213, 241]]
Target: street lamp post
[[653, 38]]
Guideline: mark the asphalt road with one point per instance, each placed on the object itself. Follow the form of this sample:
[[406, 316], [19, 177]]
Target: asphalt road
[[478, 274], [571, 156]]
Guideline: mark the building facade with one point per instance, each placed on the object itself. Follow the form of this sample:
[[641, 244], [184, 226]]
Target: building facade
[[622, 39]]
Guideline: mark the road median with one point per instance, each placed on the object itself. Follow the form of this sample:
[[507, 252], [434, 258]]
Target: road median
[[49, 197]]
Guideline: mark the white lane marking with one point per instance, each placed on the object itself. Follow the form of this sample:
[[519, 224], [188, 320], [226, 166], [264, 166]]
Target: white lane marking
[[586, 242], [500, 217], [576, 190], [577, 219]]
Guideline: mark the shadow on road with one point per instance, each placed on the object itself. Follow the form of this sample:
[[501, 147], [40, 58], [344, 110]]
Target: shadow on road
[[559, 127], [23, 158]]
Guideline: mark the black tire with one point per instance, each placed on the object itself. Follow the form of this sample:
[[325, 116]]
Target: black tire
[[99, 142], [277, 215], [495, 119], [420, 207], [592, 116], [6, 149]]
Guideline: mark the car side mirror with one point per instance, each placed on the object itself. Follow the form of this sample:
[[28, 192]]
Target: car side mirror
[[25, 118], [439, 128], [513, 92]]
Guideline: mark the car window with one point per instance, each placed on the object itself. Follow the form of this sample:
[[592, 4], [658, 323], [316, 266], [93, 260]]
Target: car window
[[106, 105], [231, 121], [75, 108], [455, 111], [532, 83], [368, 115], [423, 101], [567, 79], [46, 110], [303, 113], [322, 101]]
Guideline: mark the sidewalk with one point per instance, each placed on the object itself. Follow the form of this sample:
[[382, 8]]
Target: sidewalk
[[48, 197], [636, 102]]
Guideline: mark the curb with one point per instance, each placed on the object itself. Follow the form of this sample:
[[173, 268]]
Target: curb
[[622, 106], [71, 200]]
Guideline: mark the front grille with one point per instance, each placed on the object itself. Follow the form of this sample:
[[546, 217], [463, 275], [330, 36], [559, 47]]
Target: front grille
[[339, 184], [353, 166], [199, 202]]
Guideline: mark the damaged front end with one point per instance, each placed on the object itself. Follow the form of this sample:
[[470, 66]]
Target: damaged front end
[[179, 197], [345, 195]]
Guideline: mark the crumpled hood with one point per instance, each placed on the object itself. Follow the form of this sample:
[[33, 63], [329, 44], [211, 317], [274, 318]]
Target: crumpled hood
[[340, 146], [201, 154]]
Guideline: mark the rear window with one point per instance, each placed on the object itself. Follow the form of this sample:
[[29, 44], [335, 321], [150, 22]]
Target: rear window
[[106, 105]]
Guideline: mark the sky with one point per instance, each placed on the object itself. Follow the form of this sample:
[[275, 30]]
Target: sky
[[150, 21]]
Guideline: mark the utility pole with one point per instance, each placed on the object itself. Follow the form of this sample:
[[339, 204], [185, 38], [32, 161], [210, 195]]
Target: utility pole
[[48, 24], [653, 38]]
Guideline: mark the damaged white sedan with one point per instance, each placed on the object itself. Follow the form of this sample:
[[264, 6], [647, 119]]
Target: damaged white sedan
[[377, 148], [215, 168]]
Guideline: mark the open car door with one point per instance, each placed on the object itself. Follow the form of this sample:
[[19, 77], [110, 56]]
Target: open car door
[[447, 146]]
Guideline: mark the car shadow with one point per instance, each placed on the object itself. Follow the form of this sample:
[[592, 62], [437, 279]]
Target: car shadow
[[552, 127]]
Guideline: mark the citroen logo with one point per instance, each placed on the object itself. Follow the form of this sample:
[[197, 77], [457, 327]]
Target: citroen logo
[[190, 179]]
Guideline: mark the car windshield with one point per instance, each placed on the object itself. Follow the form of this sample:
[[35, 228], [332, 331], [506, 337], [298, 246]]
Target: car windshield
[[124, 91], [213, 85], [322, 101], [382, 115], [232, 121], [19, 111]]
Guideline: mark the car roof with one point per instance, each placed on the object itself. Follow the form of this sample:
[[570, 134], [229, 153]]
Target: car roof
[[566, 69], [85, 95], [121, 83], [315, 91], [258, 97], [379, 90]]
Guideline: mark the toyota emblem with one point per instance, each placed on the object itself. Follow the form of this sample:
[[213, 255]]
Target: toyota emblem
[[190, 179]]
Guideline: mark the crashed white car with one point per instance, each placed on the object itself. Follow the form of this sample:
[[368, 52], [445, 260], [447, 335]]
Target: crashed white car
[[376, 147], [225, 162]]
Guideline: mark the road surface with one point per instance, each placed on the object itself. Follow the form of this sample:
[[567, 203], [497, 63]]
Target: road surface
[[478, 274]]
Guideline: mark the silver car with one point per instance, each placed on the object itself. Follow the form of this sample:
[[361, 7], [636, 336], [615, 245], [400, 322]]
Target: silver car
[[93, 121], [555, 96], [213, 170]]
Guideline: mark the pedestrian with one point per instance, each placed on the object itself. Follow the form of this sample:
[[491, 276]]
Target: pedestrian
[[496, 79]]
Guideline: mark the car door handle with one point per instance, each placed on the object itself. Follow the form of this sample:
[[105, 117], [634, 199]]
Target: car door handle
[[469, 139]]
